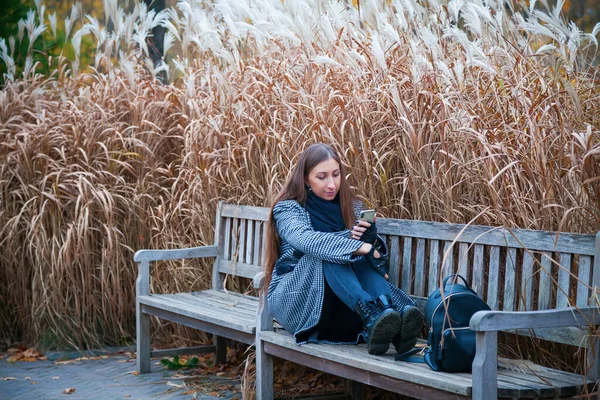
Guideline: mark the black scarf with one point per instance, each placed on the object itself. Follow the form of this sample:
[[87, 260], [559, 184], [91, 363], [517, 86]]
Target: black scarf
[[325, 215]]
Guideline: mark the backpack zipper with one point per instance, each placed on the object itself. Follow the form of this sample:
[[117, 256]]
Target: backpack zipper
[[450, 329]]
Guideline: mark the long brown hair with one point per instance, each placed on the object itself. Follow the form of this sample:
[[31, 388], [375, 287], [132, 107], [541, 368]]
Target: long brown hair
[[295, 189]]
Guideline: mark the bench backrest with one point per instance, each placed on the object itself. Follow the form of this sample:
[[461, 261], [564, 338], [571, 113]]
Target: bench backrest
[[511, 269], [239, 236]]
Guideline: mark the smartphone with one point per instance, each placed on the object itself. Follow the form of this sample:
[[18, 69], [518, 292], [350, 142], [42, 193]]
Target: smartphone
[[367, 215]]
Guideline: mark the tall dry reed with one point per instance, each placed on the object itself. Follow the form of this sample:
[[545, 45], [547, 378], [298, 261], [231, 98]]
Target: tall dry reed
[[441, 111]]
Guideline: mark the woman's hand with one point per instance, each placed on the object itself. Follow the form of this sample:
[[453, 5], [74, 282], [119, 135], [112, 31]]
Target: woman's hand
[[367, 232], [359, 229]]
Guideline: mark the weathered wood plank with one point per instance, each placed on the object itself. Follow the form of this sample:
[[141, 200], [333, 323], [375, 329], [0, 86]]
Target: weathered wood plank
[[496, 236], [564, 281], [142, 322], [596, 269], [502, 320], [201, 315], [448, 260], [182, 351], [264, 361], [526, 300], [256, 260], [493, 278], [227, 241], [249, 242], [420, 269], [510, 290], [203, 325], [434, 266], [218, 305], [405, 285], [242, 240], [175, 254], [248, 212], [394, 259], [235, 234], [545, 292], [217, 279], [357, 356], [206, 309], [584, 280], [485, 366], [478, 271], [463, 260], [238, 269]]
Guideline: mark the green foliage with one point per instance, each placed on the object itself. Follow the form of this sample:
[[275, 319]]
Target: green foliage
[[11, 12], [175, 364]]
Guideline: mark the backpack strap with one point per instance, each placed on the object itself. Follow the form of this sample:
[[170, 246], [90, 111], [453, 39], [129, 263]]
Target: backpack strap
[[409, 356]]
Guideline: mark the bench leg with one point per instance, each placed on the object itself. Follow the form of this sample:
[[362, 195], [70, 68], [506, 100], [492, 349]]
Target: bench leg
[[485, 367], [355, 390], [220, 344], [142, 341], [264, 373]]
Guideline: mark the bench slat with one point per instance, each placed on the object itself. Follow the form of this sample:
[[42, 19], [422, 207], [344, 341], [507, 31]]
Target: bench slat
[[511, 383], [248, 212], [227, 241], [249, 242], [497, 236], [406, 266], [478, 270], [545, 293], [448, 259], [256, 259], [207, 307], [510, 289], [157, 301], [526, 303], [463, 260], [219, 305], [434, 266], [583, 283], [493, 277], [420, 268], [238, 269], [394, 259], [564, 281]]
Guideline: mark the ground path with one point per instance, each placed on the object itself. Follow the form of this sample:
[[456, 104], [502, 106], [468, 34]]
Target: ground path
[[106, 378]]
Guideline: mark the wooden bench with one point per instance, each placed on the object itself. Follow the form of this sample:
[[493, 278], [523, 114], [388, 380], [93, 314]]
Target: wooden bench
[[238, 253], [511, 279]]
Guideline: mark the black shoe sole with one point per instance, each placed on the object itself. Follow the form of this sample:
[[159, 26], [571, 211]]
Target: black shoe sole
[[386, 326], [412, 321]]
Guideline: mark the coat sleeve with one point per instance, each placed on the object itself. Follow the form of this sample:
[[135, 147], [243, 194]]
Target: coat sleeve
[[294, 227]]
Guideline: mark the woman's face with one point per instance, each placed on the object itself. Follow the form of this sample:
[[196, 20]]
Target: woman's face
[[324, 179]]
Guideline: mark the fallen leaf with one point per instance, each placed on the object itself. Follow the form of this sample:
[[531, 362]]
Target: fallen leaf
[[29, 359], [8, 378], [213, 394], [122, 361], [135, 373], [127, 395], [56, 377], [1, 356], [169, 383], [15, 357], [44, 358], [34, 383], [12, 351], [69, 391]]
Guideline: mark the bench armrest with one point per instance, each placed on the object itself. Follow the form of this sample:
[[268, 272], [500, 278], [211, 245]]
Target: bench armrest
[[259, 280], [193, 252], [493, 321]]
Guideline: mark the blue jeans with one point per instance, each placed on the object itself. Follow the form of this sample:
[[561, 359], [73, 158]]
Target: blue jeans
[[356, 281]]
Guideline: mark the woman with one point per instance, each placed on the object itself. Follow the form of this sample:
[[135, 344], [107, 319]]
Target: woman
[[328, 277]]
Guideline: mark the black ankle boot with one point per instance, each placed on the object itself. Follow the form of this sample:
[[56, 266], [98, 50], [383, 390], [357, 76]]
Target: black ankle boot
[[381, 325], [412, 321]]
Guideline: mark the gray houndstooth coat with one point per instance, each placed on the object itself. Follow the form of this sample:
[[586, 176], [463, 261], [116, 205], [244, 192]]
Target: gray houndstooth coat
[[296, 297]]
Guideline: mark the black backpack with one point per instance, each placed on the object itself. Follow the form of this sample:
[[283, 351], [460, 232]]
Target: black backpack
[[451, 342]]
